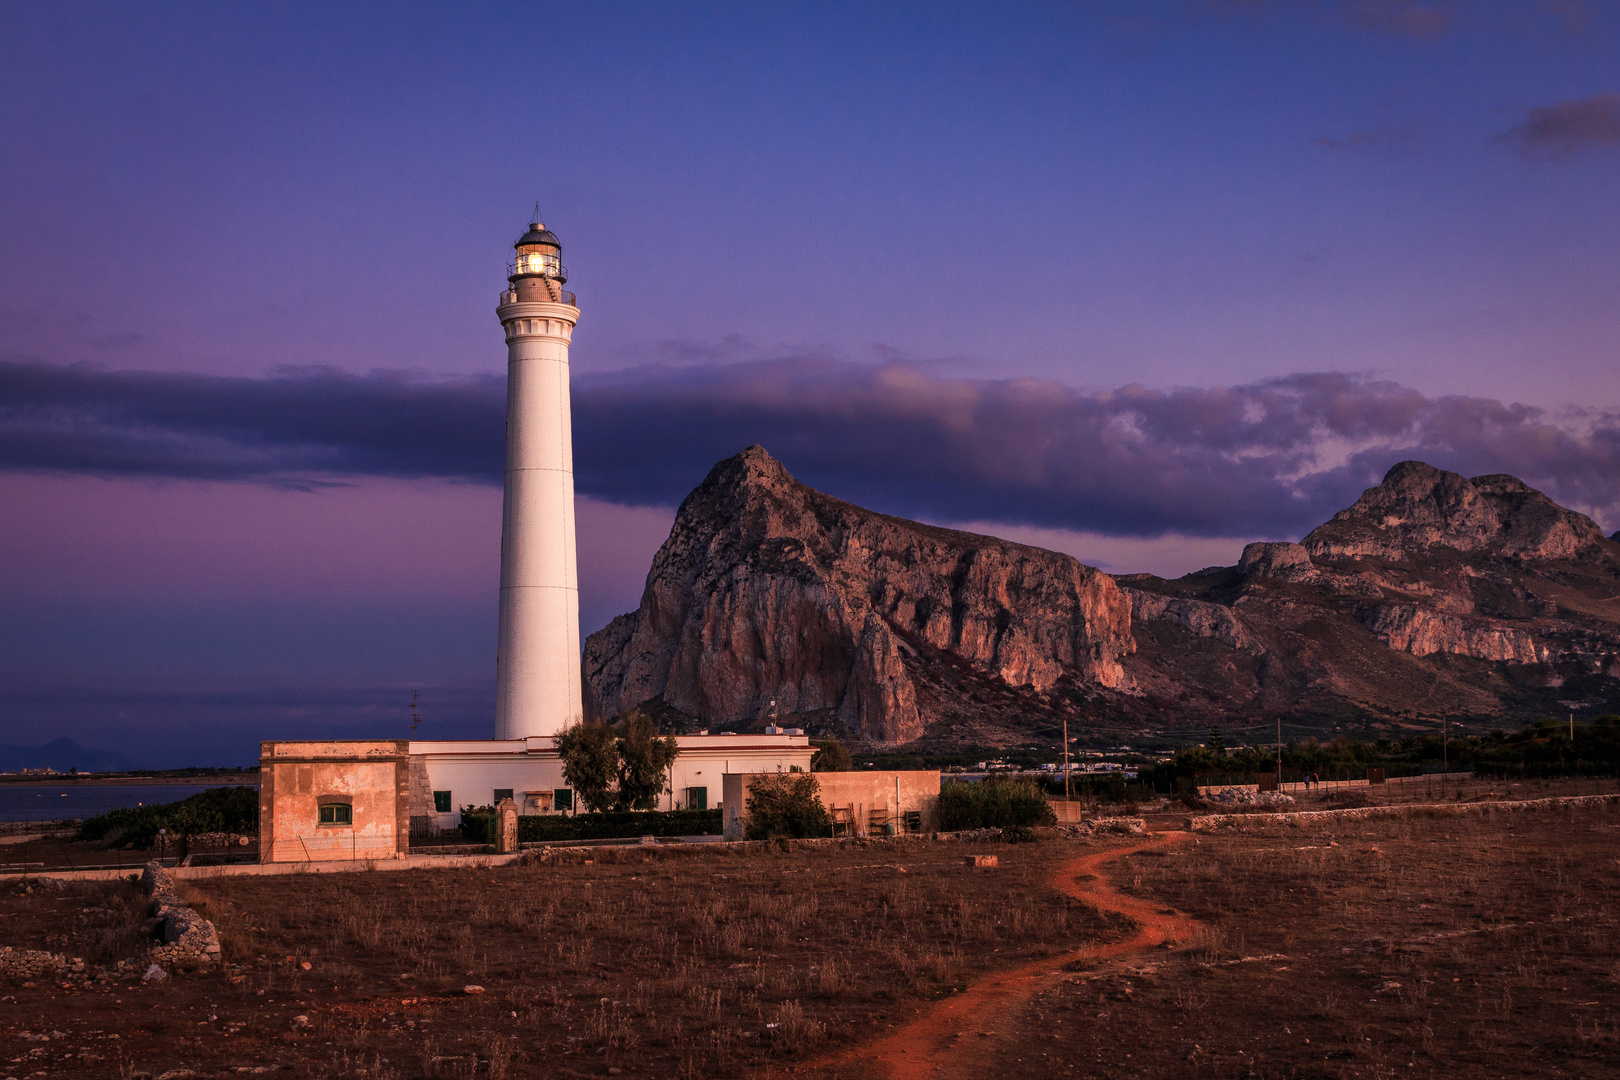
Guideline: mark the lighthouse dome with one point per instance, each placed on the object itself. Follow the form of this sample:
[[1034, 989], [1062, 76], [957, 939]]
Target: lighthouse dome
[[538, 234]]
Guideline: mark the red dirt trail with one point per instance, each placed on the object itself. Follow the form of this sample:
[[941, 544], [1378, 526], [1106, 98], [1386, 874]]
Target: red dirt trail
[[945, 1041]]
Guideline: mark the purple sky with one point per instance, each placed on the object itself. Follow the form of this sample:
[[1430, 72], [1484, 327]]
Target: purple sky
[[1136, 281]]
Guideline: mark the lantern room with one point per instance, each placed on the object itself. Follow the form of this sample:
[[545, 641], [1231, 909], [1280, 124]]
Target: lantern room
[[539, 254]]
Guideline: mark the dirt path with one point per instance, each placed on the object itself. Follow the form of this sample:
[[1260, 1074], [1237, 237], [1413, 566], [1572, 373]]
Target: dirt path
[[947, 1040]]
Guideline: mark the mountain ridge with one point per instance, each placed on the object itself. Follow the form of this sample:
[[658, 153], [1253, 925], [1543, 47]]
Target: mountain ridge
[[773, 601]]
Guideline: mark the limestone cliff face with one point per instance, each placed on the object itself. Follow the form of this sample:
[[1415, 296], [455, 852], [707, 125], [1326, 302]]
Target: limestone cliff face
[[1370, 614], [1480, 597], [1198, 617], [1421, 631], [1285, 562], [1419, 507], [770, 592]]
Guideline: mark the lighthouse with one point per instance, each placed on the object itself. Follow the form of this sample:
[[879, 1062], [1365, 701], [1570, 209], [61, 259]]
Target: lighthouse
[[537, 659], [373, 795]]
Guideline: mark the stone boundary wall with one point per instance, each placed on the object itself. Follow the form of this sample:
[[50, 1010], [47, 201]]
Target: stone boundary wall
[[1212, 822], [189, 940], [23, 964]]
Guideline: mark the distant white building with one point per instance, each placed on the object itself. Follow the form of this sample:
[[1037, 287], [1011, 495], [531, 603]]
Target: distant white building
[[445, 776]]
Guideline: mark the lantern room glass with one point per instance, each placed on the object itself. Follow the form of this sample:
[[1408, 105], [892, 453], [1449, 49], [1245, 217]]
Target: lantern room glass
[[544, 263]]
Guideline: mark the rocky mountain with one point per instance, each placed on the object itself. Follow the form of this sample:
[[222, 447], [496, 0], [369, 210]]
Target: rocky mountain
[[1434, 593]]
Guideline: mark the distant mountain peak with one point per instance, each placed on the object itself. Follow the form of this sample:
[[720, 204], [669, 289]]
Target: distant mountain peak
[[1418, 507], [62, 755]]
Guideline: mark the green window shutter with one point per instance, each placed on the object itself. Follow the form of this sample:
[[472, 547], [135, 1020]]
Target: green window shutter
[[562, 799], [441, 802], [697, 798], [502, 793]]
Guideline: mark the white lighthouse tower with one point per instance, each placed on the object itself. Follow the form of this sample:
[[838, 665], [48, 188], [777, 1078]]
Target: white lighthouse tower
[[537, 662]]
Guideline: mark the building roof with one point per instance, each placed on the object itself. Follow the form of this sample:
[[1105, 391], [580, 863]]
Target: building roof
[[539, 234]]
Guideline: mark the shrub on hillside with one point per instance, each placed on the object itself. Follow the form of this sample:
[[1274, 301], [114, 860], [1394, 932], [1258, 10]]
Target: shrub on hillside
[[221, 809], [999, 802]]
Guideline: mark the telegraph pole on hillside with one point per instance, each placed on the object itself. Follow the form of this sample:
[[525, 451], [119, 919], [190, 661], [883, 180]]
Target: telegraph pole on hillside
[[1066, 795]]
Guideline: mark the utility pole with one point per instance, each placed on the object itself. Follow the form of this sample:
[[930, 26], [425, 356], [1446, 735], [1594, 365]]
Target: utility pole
[[1066, 795], [1445, 754], [1279, 753]]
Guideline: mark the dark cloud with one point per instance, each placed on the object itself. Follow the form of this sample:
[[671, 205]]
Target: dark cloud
[[296, 424], [1568, 128], [1275, 457]]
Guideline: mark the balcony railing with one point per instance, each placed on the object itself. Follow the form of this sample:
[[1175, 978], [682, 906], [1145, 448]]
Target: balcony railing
[[560, 273], [565, 297]]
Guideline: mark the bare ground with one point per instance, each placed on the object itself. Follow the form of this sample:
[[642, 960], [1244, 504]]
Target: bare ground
[[1422, 946]]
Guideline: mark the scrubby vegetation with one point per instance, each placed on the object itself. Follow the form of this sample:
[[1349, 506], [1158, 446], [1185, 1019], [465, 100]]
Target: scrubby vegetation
[[998, 802], [1544, 748], [217, 810], [617, 767], [786, 804], [830, 756], [477, 825]]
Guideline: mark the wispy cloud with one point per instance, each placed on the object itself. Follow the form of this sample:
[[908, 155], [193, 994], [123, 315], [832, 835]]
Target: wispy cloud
[[1389, 18], [1273, 457], [1367, 140], [1401, 18], [1567, 128]]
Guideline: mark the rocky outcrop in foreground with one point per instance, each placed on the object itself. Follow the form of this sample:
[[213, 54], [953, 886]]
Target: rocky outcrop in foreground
[[771, 601]]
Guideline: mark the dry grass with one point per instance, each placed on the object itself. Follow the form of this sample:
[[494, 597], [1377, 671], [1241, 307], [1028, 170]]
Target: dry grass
[[1419, 947], [98, 921], [667, 962], [1500, 929]]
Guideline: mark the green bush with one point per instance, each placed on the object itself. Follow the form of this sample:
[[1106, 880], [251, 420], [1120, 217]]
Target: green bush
[[477, 824], [830, 756], [617, 824], [786, 805], [221, 809], [999, 802]]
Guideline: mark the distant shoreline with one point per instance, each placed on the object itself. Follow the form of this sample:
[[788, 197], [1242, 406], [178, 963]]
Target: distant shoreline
[[250, 779]]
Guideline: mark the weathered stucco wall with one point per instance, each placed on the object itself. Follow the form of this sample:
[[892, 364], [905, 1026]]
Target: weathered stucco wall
[[862, 803], [371, 777]]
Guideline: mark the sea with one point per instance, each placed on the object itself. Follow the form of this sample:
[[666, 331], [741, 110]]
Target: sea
[[42, 802]]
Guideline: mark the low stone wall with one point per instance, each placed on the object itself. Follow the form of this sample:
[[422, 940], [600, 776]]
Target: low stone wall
[[20, 965], [1212, 822], [189, 940], [1105, 826]]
